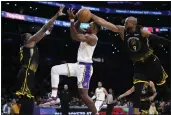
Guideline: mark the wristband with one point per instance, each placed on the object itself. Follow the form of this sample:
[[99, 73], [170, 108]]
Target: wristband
[[71, 20], [47, 32]]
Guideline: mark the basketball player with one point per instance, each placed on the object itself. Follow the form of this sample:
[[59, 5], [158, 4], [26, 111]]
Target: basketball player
[[82, 69], [146, 65], [148, 94], [29, 57], [100, 94]]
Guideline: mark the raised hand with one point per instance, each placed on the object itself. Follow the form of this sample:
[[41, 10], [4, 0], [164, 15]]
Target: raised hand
[[60, 11], [71, 13]]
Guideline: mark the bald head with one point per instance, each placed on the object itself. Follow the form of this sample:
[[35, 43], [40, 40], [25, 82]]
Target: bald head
[[131, 19], [130, 24]]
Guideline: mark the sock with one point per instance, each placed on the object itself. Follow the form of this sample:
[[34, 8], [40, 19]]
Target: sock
[[54, 93]]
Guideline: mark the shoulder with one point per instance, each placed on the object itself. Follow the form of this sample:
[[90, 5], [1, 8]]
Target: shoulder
[[144, 32], [94, 36], [91, 39], [151, 83], [120, 28]]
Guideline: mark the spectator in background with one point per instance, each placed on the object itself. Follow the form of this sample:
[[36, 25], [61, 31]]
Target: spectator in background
[[167, 108], [65, 97], [15, 107], [7, 108], [161, 107], [110, 102]]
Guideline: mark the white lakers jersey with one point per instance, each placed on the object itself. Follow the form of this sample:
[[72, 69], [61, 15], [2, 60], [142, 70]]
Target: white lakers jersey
[[85, 52], [100, 95]]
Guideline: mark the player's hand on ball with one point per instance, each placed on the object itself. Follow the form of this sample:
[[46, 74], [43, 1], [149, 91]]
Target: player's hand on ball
[[60, 11], [71, 13]]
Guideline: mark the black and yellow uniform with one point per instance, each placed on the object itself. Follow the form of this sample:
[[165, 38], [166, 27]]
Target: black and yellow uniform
[[145, 94], [147, 66], [29, 58]]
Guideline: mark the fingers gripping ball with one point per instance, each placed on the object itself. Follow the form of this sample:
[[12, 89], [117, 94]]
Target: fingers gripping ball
[[84, 15]]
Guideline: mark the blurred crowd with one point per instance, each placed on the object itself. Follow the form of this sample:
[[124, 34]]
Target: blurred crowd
[[12, 106]]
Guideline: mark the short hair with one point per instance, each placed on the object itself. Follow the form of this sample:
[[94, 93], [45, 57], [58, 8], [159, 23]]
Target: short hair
[[24, 37], [97, 26], [99, 82], [131, 18]]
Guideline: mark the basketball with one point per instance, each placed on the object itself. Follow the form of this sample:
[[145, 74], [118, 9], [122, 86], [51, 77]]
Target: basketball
[[84, 15]]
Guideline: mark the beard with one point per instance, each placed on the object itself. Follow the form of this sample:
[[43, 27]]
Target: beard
[[130, 29]]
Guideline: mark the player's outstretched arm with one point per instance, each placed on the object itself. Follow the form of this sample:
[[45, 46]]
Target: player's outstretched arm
[[105, 23], [127, 93], [48, 26], [155, 38], [77, 23]]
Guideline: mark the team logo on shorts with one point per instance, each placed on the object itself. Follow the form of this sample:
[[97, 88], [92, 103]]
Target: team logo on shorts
[[85, 84], [134, 44]]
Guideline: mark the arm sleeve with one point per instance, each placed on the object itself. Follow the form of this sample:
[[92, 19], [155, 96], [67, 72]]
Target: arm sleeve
[[158, 40]]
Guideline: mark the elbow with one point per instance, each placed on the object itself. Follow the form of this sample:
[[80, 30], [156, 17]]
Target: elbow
[[74, 38], [156, 93]]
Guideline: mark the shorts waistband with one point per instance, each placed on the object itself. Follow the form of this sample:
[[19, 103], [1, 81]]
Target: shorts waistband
[[32, 68], [146, 56], [99, 100], [84, 63]]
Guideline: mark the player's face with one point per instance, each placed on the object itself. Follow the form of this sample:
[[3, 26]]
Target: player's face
[[99, 84], [110, 90], [91, 27], [129, 26]]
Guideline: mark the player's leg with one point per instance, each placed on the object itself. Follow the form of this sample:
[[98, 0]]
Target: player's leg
[[137, 103], [26, 83], [27, 106], [63, 69], [87, 100], [98, 105], [140, 70], [84, 73], [159, 77], [67, 69], [145, 105]]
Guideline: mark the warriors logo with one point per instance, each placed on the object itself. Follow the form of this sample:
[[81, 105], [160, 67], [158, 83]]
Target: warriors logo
[[134, 44]]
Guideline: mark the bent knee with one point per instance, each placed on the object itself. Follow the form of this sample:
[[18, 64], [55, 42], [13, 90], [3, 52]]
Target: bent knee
[[54, 70]]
